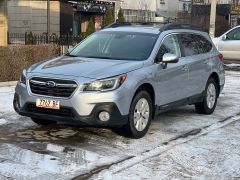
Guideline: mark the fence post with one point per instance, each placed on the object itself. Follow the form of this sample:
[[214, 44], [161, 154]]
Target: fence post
[[8, 39], [68, 41], [25, 38]]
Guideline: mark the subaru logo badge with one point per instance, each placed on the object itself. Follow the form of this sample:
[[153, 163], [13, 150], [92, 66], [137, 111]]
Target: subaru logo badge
[[50, 84]]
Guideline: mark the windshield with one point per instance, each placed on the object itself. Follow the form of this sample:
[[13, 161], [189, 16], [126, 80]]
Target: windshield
[[117, 46]]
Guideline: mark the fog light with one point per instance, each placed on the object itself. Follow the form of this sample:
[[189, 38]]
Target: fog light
[[104, 116]]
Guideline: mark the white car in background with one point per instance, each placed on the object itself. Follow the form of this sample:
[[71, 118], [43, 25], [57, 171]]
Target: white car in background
[[229, 44]]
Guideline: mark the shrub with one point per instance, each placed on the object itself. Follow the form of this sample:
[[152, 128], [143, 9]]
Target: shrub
[[108, 18], [121, 18], [90, 27], [14, 58], [30, 39]]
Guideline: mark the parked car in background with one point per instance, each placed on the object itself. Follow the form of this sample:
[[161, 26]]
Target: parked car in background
[[122, 76], [229, 44]]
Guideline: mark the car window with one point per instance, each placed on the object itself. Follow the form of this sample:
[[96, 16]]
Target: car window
[[189, 44], [234, 34], [203, 44], [170, 44]]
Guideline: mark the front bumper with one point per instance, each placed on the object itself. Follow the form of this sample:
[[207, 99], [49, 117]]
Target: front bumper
[[84, 113]]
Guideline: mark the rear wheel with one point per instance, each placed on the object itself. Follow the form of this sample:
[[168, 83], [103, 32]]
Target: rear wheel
[[208, 105], [42, 122], [140, 115]]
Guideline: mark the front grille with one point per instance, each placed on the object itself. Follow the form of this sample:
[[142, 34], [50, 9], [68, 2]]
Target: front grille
[[52, 87], [63, 111]]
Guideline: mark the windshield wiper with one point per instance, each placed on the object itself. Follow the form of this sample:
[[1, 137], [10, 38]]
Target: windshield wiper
[[99, 57], [113, 58], [70, 55]]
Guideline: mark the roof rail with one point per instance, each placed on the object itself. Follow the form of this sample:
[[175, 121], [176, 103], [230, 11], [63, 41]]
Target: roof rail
[[116, 24], [171, 26], [161, 25], [122, 24]]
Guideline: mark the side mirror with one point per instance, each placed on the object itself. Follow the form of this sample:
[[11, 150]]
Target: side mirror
[[170, 58], [224, 37]]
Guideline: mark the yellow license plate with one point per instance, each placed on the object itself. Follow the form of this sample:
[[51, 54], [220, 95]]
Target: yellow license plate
[[49, 104]]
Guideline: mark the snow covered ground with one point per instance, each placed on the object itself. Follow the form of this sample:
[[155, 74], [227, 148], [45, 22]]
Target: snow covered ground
[[180, 144], [233, 66]]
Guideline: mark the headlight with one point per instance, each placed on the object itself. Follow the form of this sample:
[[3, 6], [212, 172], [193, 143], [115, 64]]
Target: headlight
[[108, 84], [23, 77]]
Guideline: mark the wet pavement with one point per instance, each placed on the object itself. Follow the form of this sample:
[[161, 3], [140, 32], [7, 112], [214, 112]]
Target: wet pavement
[[29, 151]]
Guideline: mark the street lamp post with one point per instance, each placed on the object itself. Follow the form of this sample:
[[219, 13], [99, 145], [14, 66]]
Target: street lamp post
[[213, 18]]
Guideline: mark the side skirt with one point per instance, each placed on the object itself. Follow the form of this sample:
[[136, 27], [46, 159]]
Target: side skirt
[[187, 101]]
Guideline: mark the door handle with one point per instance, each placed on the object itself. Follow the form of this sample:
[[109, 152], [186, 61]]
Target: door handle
[[206, 62], [185, 68]]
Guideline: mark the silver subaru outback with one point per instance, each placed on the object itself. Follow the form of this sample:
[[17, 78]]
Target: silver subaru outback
[[122, 76]]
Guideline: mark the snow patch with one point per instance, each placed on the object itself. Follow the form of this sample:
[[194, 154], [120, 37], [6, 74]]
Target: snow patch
[[6, 97], [3, 121], [232, 65]]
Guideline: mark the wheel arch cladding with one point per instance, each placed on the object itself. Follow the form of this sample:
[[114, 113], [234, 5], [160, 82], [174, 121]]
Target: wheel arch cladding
[[215, 76], [149, 88]]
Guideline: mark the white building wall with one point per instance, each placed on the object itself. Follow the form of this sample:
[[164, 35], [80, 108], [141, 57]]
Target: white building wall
[[219, 1], [167, 8], [177, 5], [139, 5], [139, 10], [162, 5], [31, 16], [173, 6]]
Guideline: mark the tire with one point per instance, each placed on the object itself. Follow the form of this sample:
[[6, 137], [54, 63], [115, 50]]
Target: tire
[[42, 122], [137, 125], [208, 105]]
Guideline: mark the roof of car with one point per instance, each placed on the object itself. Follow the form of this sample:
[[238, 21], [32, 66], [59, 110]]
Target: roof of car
[[140, 29], [153, 28]]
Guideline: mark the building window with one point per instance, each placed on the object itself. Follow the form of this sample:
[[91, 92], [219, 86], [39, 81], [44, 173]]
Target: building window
[[162, 1], [138, 15]]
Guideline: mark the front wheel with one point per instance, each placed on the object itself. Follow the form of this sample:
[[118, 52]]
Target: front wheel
[[208, 105], [42, 122], [140, 115]]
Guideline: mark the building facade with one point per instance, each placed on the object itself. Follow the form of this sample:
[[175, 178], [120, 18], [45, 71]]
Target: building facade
[[75, 16], [72, 16], [139, 10], [3, 23], [66, 17], [31, 16]]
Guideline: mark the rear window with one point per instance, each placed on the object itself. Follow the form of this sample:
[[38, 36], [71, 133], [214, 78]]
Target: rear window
[[194, 44]]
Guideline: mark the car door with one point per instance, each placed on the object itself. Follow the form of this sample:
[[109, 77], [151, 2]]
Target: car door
[[172, 79], [229, 44], [195, 48]]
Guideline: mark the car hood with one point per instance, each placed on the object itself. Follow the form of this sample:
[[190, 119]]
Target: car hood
[[84, 67]]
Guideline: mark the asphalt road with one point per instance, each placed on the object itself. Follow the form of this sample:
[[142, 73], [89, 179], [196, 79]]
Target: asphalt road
[[180, 144]]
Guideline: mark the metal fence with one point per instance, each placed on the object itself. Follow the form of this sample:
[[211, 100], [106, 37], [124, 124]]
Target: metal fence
[[63, 41]]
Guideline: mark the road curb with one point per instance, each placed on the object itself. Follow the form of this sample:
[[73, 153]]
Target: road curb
[[8, 83]]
